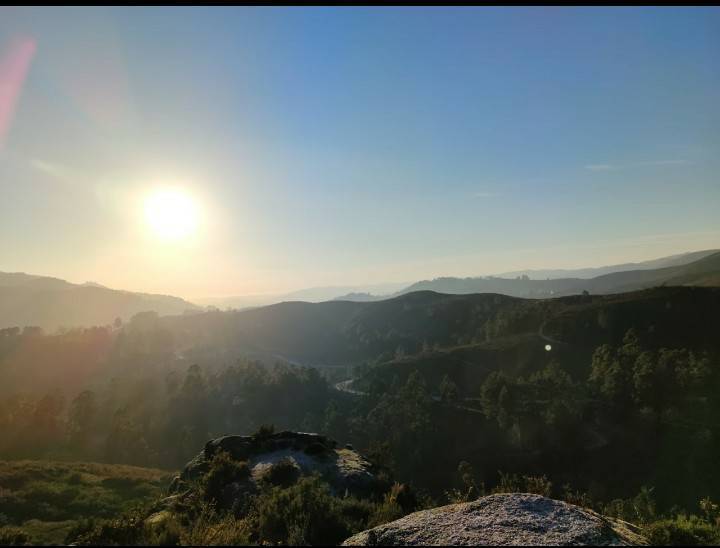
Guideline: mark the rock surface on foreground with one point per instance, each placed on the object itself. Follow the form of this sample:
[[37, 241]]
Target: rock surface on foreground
[[513, 519]]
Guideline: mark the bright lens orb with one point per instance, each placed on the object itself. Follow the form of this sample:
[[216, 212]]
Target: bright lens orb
[[171, 214]]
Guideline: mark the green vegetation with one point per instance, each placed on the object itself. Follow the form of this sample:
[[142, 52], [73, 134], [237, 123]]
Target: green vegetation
[[45, 500], [451, 390], [303, 512], [223, 471], [306, 513], [283, 473], [683, 530]]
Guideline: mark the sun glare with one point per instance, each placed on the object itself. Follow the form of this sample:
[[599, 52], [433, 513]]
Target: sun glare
[[171, 214]]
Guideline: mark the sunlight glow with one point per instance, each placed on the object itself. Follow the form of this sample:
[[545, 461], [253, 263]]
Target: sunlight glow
[[171, 214]]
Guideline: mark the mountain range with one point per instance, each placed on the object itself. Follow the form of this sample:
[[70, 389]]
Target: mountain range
[[51, 303], [375, 292], [663, 262], [702, 268], [310, 294]]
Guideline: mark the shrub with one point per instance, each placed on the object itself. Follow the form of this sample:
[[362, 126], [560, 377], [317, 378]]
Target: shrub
[[682, 531], [539, 485], [355, 512], [402, 495], [576, 497], [264, 431], [127, 529], [397, 502], [223, 471], [512, 483], [305, 513], [210, 528], [167, 534], [14, 536], [386, 511], [644, 505], [283, 473], [456, 496]]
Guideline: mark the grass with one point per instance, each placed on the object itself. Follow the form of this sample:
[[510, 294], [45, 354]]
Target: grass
[[47, 498]]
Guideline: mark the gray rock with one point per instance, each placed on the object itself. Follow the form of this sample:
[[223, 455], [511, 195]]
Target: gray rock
[[158, 519], [512, 519], [344, 469]]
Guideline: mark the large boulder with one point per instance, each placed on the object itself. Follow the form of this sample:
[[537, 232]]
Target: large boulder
[[345, 470], [513, 519]]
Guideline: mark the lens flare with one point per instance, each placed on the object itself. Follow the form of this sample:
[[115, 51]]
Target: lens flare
[[14, 66]]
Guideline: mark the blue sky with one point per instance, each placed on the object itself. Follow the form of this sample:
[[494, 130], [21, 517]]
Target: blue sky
[[358, 145]]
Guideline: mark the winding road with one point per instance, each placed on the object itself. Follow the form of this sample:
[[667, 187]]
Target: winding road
[[345, 386]]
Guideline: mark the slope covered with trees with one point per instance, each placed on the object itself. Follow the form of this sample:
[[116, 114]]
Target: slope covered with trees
[[574, 387]]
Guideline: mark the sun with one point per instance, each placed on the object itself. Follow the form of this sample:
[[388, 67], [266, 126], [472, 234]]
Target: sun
[[171, 214]]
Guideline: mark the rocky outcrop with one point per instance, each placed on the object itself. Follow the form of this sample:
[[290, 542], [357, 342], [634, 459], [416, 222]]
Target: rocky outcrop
[[344, 469], [512, 519]]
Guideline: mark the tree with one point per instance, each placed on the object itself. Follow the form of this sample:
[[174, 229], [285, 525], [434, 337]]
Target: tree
[[553, 396], [188, 413], [46, 425], [333, 422], [404, 420], [82, 417], [648, 380], [126, 441], [448, 391], [494, 395], [611, 374]]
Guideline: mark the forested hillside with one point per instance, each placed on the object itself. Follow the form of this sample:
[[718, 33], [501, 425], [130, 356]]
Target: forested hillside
[[502, 383]]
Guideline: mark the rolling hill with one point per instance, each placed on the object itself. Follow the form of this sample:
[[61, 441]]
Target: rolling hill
[[51, 303], [514, 339], [344, 332]]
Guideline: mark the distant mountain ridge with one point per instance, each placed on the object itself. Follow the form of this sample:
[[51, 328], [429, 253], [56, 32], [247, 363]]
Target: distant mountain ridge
[[310, 294], [592, 272], [376, 292], [50, 303], [703, 271]]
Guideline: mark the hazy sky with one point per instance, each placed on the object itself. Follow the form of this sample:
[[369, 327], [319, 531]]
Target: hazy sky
[[342, 146]]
